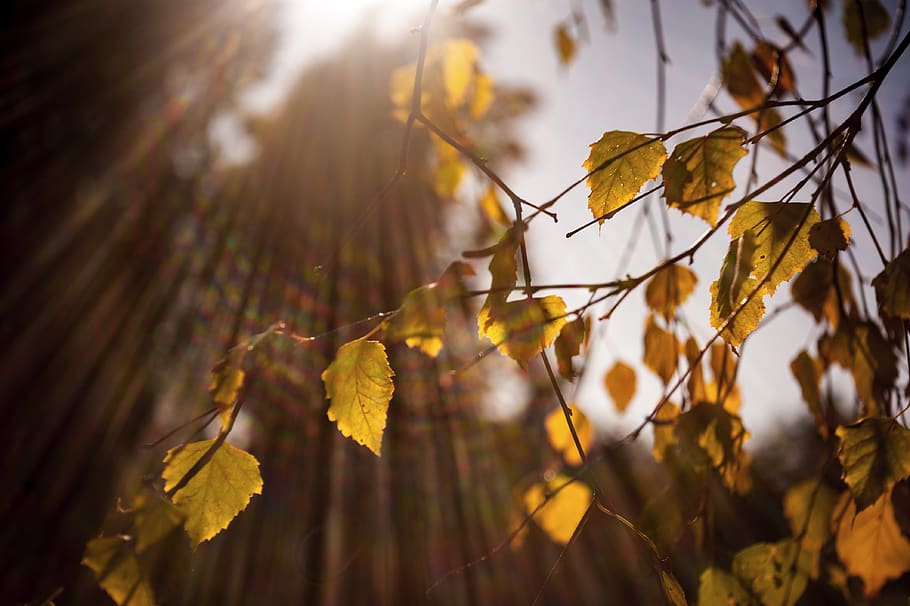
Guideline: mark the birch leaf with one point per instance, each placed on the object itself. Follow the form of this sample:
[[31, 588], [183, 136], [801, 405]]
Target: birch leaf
[[559, 516], [620, 164]]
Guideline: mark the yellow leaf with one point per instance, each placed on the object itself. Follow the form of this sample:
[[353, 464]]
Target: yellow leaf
[[870, 543], [492, 208], [217, 493], [771, 64], [808, 507], [875, 16], [619, 164], [449, 170], [892, 287], [777, 573], [561, 438], [154, 519], [118, 572], [719, 587], [225, 386], [483, 96], [860, 348], [451, 285], [420, 321], [359, 384], [768, 119], [696, 383], [875, 454], [568, 344], [669, 288], [808, 372], [673, 591], [698, 174], [830, 236], [521, 329], [664, 429], [620, 382], [503, 270], [781, 233], [709, 437], [814, 290], [727, 395], [565, 44], [740, 78], [723, 363], [661, 350], [562, 513], [731, 290], [459, 57]]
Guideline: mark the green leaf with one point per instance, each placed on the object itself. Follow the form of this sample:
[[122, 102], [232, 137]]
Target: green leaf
[[661, 350], [118, 571], [217, 493], [716, 586], [875, 454], [359, 384], [698, 175], [559, 516], [668, 289], [619, 164], [781, 233], [522, 328], [620, 383], [875, 15], [420, 321], [892, 287], [568, 344], [732, 288], [772, 572]]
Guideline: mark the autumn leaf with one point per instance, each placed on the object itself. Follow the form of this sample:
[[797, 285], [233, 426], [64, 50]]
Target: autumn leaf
[[870, 543], [492, 208], [860, 348], [420, 321], [220, 490], [892, 287], [522, 328], [769, 122], [359, 384], [808, 507], [668, 289], [559, 516], [830, 236], [673, 591], [717, 586], [449, 170], [777, 573], [781, 233], [740, 78], [698, 175], [731, 289], [118, 572], [771, 64], [875, 17], [451, 283], [808, 372], [619, 164], [711, 438], [459, 58], [154, 518], [565, 44], [664, 429], [620, 383], [661, 350], [503, 270], [484, 94], [723, 363], [561, 438], [224, 386], [572, 337], [814, 290], [875, 454], [696, 382]]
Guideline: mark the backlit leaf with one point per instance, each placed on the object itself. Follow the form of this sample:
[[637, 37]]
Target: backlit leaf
[[740, 78], [118, 572], [359, 384], [723, 363], [522, 328], [717, 586], [451, 283], [573, 335], [661, 350], [561, 438], [870, 543], [875, 454], [669, 288], [483, 96], [809, 507], [217, 493], [620, 382], [772, 573], [860, 348], [876, 18], [892, 287], [814, 290], [449, 171], [664, 429], [225, 386], [696, 382], [711, 438], [154, 519], [420, 321], [565, 44], [781, 233], [769, 119], [808, 372], [732, 288], [698, 175], [459, 58], [830, 236], [772, 64], [673, 591], [619, 164], [492, 208], [563, 512]]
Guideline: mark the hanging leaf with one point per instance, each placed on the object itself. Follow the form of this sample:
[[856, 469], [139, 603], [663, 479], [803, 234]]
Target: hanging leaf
[[503, 271], [619, 165], [522, 329], [777, 573], [563, 512], [661, 350], [359, 384], [870, 543], [492, 208], [459, 60], [781, 233], [860, 348], [809, 506], [830, 236], [808, 372], [565, 44], [875, 454], [696, 383], [668, 289], [814, 290], [620, 383], [224, 386], [732, 289], [560, 436], [449, 171], [673, 591], [118, 572], [482, 99], [709, 437], [892, 287], [571, 338], [664, 429], [769, 122], [420, 321], [451, 283], [716, 586], [740, 78], [154, 518], [217, 493], [723, 363], [774, 65], [874, 15], [698, 175]]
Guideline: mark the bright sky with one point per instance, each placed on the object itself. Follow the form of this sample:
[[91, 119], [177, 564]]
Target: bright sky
[[610, 85]]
